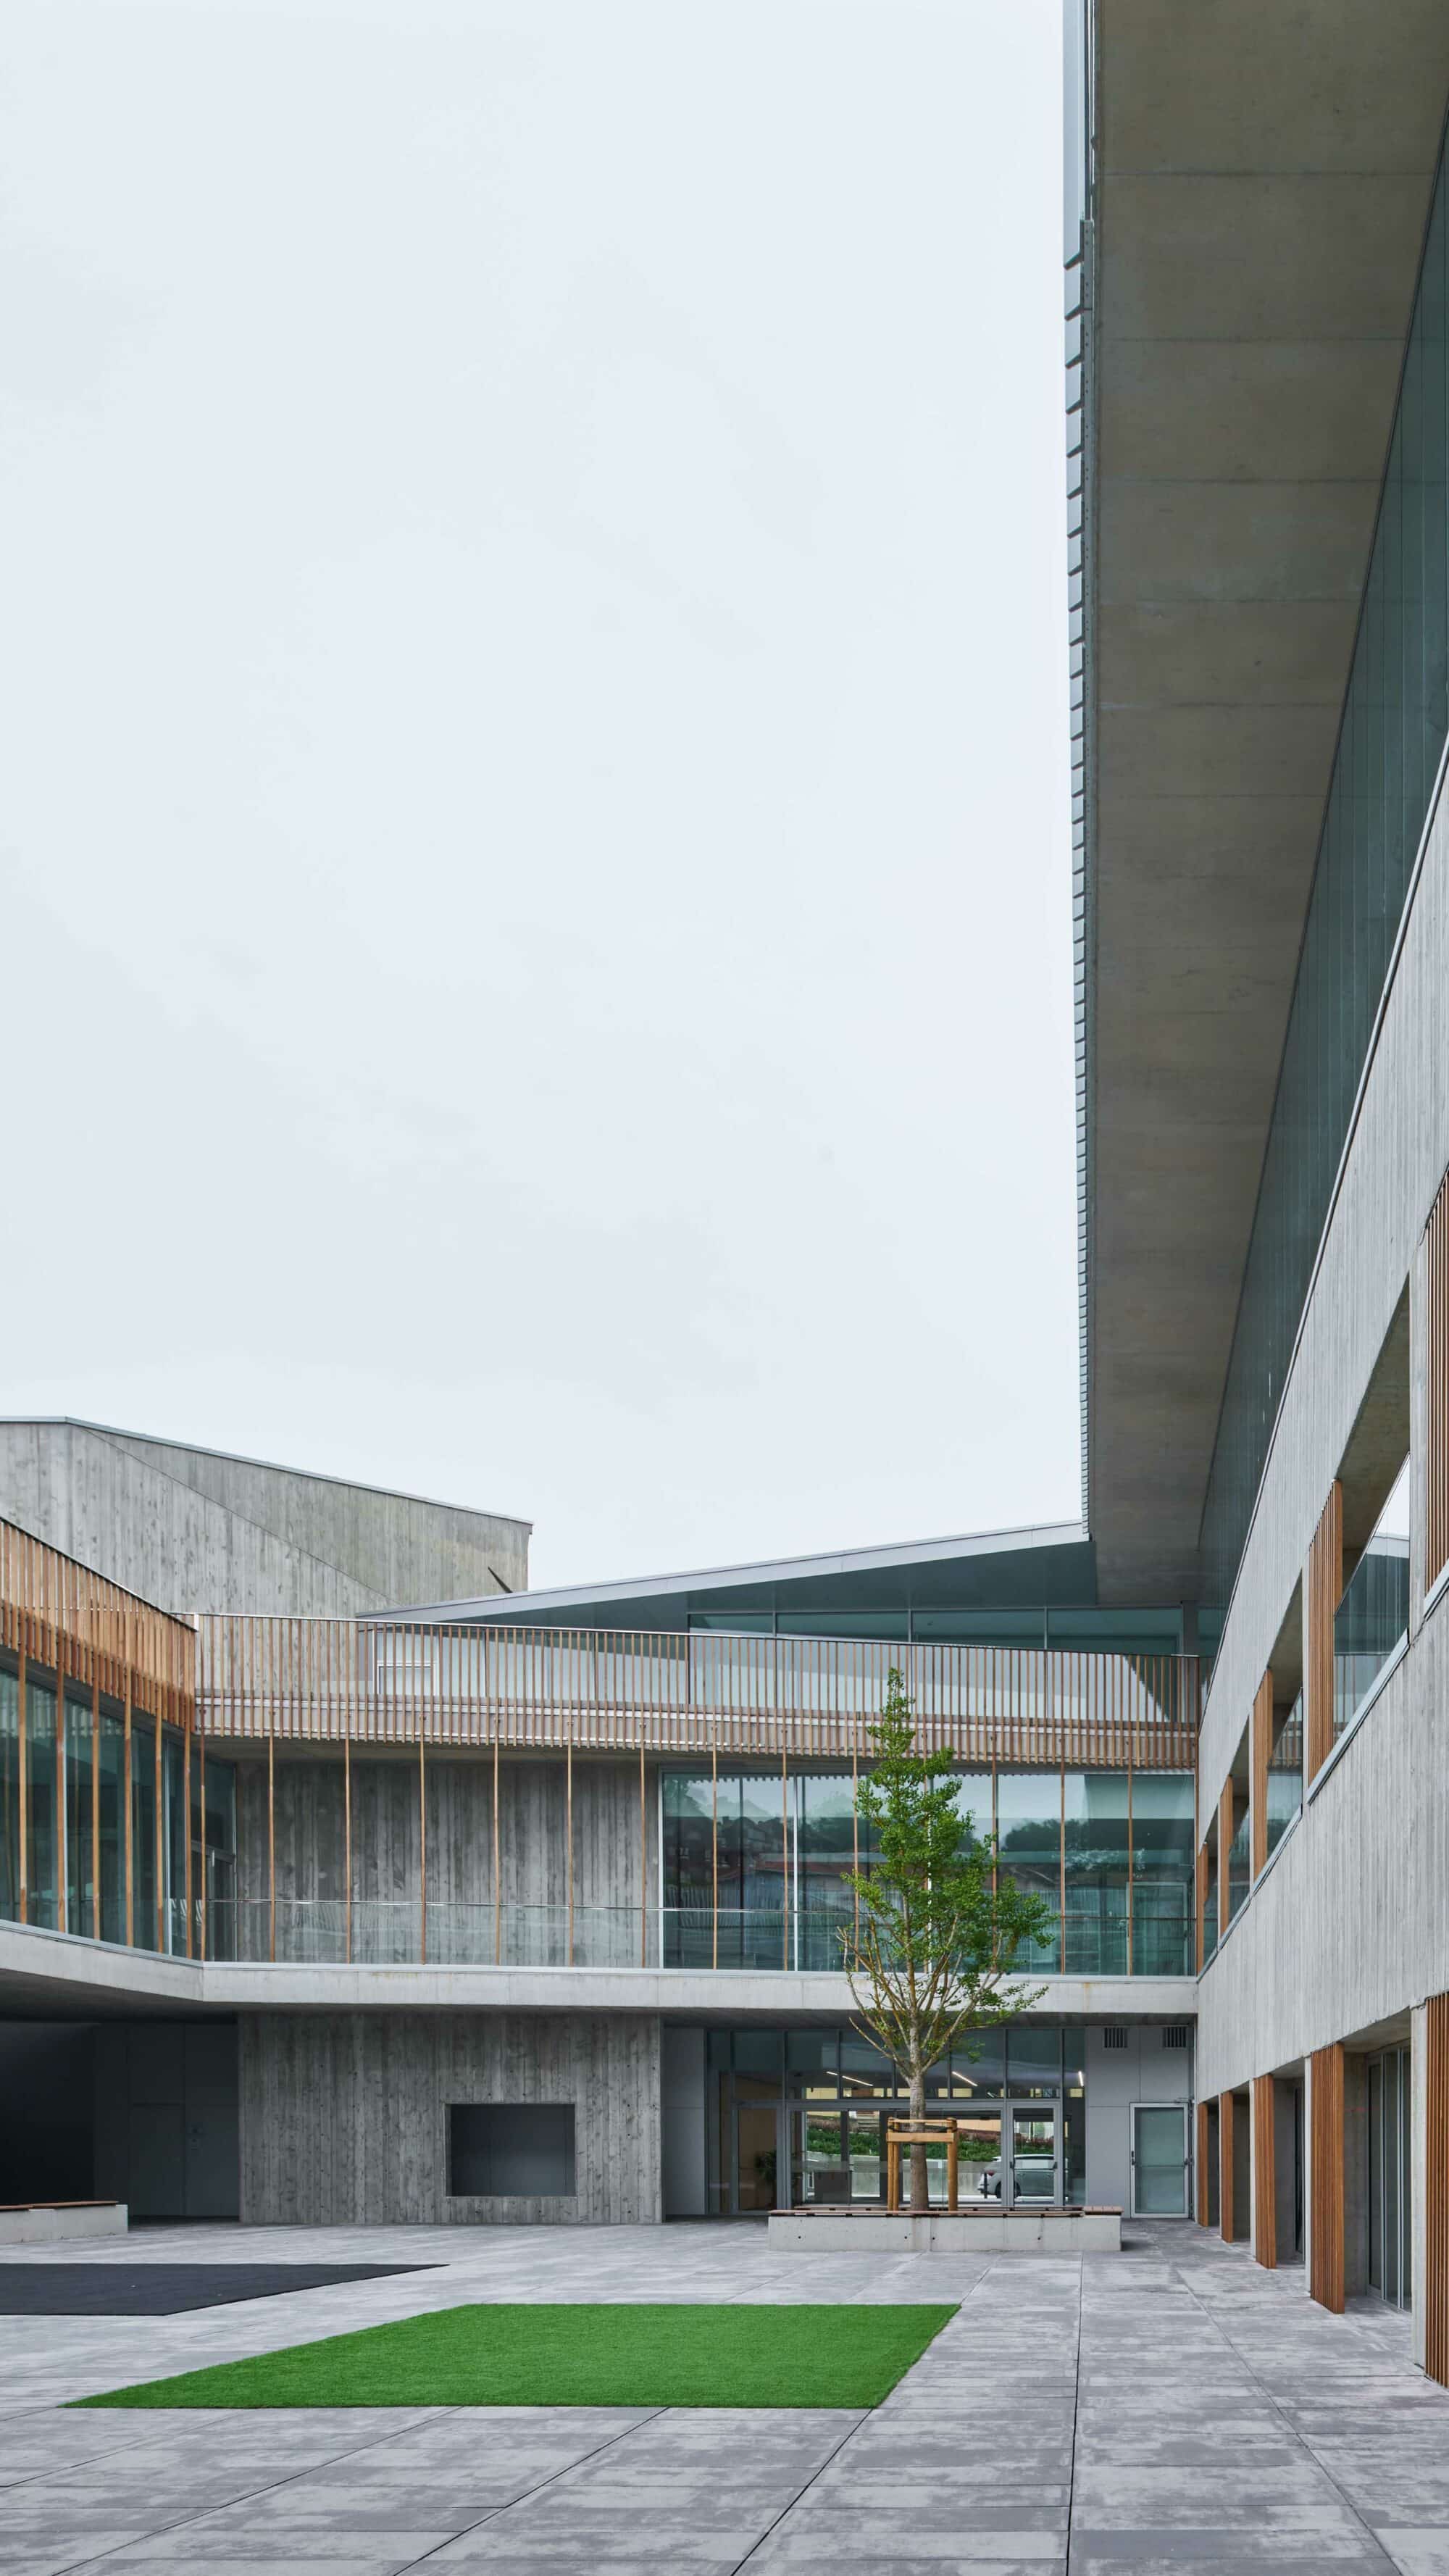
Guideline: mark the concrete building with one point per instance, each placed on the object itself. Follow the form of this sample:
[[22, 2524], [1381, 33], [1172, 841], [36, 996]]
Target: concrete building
[[351, 1880]]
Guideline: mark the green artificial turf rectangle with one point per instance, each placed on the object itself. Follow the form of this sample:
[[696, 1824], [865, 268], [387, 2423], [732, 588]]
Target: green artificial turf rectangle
[[619, 2355]]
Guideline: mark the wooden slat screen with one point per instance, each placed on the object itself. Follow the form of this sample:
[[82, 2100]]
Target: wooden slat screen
[[1322, 1592], [1260, 1747], [1325, 2177], [60, 1615], [1436, 1456], [329, 1680], [1436, 2189], [1265, 2173]]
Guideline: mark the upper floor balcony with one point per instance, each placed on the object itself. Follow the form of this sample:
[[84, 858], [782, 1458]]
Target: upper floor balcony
[[365, 1682]]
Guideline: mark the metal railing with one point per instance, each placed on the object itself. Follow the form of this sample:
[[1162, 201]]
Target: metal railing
[[336, 1680]]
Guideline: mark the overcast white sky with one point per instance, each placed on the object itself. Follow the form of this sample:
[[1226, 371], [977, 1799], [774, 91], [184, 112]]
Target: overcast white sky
[[535, 812]]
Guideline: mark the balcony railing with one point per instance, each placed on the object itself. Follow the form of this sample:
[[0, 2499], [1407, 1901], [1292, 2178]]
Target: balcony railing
[[763, 1940], [336, 1680], [1368, 1626]]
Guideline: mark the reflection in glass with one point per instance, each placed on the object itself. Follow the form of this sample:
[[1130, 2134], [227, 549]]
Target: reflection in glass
[[1163, 1858], [40, 1787], [1029, 1848], [1096, 1842], [143, 1832], [1159, 2145], [9, 1796]]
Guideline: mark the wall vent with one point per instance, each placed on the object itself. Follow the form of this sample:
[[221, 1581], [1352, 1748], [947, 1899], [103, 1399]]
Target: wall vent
[[1174, 2034], [1114, 2038]]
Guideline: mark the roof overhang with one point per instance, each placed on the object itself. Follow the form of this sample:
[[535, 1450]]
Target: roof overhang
[[1262, 179], [995, 1569]]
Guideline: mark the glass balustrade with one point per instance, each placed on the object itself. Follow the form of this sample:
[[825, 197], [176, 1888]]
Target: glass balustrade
[[1369, 1625]]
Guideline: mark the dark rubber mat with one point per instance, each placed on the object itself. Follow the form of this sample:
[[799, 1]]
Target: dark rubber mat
[[165, 2289]]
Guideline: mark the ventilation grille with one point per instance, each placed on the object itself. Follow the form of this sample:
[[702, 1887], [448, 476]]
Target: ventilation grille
[[1114, 2038], [1174, 2034]]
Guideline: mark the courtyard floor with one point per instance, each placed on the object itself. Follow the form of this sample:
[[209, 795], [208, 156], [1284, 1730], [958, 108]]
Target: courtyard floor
[[1171, 2407]]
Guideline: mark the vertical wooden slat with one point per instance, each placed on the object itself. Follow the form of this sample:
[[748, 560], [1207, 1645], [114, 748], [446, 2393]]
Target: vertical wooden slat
[[1265, 2173], [159, 1833], [201, 1838], [271, 1837], [1227, 2214], [1435, 2079], [423, 1845], [643, 1860], [127, 1816], [186, 1830], [1260, 1746], [1325, 2177], [61, 1836], [569, 1839], [347, 1845], [497, 1858], [95, 1797], [24, 1771], [1322, 1592], [784, 1864]]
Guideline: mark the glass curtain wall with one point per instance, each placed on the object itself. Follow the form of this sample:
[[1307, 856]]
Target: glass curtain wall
[[79, 1790], [1164, 1859], [143, 1833], [1123, 1843], [41, 1805], [1285, 1776], [1097, 1843], [9, 1796], [1029, 1850], [110, 1792], [1395, 716]]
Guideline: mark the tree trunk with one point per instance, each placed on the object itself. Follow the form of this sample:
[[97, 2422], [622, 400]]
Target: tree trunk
[[920, 2180]]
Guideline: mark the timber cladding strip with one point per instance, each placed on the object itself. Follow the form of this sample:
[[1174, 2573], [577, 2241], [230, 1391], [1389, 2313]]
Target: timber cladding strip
[[1265, 2171], [347, 1680], [1322, 1593], [1326, 2177], [1436, 2189], [55, 1612]]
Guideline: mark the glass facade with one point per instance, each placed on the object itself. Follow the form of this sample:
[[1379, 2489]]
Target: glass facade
[[65, 1812], [1164, 1827], [1118, 1846], [1395, 717], [1285, 1776], [820, 2099]]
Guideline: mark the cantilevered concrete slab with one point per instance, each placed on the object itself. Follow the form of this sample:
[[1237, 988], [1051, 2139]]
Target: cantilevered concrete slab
[[1263, 180]]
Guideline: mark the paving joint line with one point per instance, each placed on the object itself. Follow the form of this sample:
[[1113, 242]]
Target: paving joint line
[[526, 2495], [249, 2495], [1291, 2430]]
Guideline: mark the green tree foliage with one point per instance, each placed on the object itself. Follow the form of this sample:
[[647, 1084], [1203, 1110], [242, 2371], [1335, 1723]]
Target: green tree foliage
[[933, 1956]]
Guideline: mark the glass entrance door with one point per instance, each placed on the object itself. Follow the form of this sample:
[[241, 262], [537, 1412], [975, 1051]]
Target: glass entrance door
[[1035, 2159], [1159, 2160]]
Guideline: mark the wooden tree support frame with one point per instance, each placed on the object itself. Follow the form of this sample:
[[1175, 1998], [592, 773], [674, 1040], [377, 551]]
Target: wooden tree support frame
[[922, 2133]]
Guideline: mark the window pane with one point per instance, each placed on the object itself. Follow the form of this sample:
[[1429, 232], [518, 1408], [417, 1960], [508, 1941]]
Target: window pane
[[1162, 1873], [1095, 1931], [1029, 1845]]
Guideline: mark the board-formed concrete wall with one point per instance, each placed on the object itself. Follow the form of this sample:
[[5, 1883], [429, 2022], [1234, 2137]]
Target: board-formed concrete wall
[[192, 1530], [344, 2115], [609, 1853]]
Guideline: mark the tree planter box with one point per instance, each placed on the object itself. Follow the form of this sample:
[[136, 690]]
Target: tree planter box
[[49, 2222], [969, 2231]]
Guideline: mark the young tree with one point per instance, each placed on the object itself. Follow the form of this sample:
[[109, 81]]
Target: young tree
[[931, 1958]]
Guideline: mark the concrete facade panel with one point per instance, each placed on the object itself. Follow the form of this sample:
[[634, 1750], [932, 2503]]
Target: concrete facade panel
[[344, 2116]]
